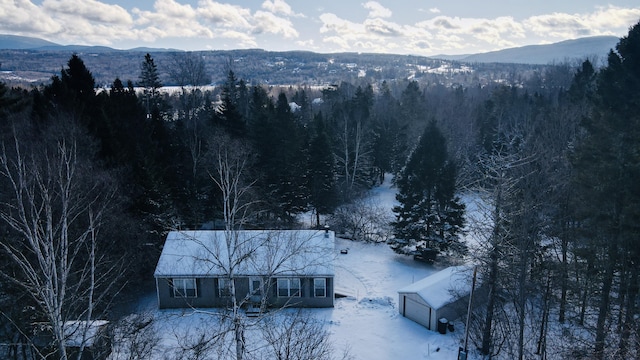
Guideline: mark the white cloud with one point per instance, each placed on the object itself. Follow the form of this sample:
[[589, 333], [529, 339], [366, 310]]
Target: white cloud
[[605, 21], [446, 23], [500, 31], [557, 24], [226, 15], [280, 7], [310, 43], [333, 23], [382, 27], [23, 17], [376, 10], [266, 22], [169, 19], [434, 11], [615, 17], [90, 10], [340, 42], [242, 39], [173, 9]]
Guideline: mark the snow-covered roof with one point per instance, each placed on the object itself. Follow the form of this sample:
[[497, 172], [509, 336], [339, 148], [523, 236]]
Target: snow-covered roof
[[205, 253], [74, 331], [443, 287], [294, 106]]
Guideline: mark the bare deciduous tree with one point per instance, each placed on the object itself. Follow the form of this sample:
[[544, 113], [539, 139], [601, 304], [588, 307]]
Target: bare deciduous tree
[[493, 235], [207, 342], [135, 337], [363, 219], [231, 160], [298, 336], [55, 207]]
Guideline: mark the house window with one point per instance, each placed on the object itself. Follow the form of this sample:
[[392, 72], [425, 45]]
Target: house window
[[288, 287], [184, 288], [255, 286], [320, 287], [224, 287]]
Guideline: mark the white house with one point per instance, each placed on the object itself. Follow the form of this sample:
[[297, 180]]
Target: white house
[[444, 294]]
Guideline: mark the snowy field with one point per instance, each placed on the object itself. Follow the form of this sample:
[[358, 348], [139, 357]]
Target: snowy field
[[366, 322]]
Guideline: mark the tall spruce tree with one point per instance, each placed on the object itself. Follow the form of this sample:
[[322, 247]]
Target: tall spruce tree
[[290, 162], [430, 215], [73, 93], [228, 115], [323, 195], [150, 81]]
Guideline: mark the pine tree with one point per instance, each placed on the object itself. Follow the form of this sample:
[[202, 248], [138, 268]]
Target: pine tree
[[228, 115], [388, 139], [150, 81], [73, 92], [430, 215], [10, 102], [290, 164], [321, 182]]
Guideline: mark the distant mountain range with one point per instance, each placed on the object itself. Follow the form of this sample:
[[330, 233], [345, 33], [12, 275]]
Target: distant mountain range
[[559, 52], [15, 42], [23, 42]]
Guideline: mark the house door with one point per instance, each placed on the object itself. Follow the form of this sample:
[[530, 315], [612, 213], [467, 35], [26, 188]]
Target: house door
[[256, 288]]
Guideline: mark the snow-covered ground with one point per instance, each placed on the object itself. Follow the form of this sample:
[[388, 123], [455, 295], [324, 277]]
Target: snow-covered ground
[[369, 324], [367, 321]]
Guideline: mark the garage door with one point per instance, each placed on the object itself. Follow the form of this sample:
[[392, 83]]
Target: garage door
[[417, 312]]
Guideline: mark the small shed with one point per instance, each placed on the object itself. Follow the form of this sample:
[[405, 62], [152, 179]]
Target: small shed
[[444, 294], [92, 337]]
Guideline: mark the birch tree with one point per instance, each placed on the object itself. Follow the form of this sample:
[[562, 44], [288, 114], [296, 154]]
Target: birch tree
[[231, 159], [55, 206]]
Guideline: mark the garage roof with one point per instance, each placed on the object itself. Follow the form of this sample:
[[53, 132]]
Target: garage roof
[[443, 287]]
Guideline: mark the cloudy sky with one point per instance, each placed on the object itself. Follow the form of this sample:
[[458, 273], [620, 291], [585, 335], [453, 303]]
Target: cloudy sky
[[390, 26]]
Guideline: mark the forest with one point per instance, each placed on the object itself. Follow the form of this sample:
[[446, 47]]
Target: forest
[[93, 180]]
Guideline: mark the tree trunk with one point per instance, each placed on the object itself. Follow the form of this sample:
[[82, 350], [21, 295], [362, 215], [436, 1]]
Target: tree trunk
[[630, 311], [491, 300], [542, 341], [564, 277], [603, 308]]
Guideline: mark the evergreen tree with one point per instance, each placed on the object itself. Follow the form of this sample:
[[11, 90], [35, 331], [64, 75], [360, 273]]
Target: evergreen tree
[[280, 144], [289, 161], [73, 92], [150, 81], [11, 101], [412, 115], [263, 138], [228, 114], [607, 168], [125, 121], [321, 181], [389, 141], [430, 215], [351, 124]]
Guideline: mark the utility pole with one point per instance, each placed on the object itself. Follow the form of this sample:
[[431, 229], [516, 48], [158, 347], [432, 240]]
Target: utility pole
[[462, 353]]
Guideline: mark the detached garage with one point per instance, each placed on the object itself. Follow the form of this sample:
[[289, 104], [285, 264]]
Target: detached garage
[[444, 294]]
